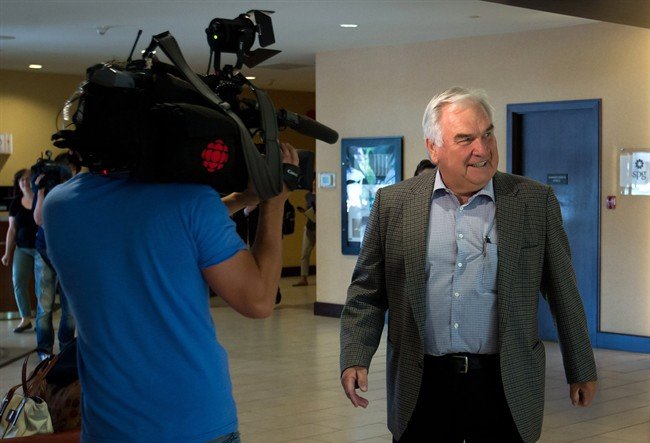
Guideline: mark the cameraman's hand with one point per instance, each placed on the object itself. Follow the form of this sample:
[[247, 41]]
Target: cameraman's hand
[[38, 180], [236, 201], [289, 155]]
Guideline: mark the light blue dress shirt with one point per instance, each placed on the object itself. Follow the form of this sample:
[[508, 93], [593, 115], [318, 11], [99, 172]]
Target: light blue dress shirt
[[461, 270]]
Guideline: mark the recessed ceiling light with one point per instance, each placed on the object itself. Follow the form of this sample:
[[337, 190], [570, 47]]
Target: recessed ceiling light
[[102, 29], [250, 77], [35, 66], [348, 25]]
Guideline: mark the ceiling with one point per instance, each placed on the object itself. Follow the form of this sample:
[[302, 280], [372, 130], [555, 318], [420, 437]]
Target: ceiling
[[64, 35]]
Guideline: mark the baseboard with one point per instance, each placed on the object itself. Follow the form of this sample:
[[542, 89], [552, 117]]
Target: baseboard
[[328, 309]]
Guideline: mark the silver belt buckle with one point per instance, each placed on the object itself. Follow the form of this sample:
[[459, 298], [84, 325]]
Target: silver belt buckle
[[465, 363]]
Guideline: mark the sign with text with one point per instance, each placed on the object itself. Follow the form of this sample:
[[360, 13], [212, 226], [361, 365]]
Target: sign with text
[[634, 172]]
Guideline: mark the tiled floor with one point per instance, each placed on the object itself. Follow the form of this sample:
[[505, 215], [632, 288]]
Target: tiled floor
[[285, 374]]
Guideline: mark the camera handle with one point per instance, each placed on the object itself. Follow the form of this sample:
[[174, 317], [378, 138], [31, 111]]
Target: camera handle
[[265, 172]]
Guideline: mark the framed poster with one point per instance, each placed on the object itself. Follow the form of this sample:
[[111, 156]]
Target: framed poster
[[367, 164]]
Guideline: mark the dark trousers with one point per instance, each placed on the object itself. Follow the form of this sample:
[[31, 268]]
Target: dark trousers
[[454, 406]]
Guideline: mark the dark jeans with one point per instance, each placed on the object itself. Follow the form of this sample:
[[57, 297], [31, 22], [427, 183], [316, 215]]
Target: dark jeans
[[456, 407]]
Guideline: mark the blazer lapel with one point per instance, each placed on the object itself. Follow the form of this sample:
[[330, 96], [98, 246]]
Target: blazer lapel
[[415, 227], [509, 220]]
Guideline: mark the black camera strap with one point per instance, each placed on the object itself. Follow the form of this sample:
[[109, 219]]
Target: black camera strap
[[264, 171]]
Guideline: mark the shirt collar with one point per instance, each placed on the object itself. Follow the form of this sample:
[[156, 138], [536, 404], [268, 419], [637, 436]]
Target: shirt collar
[[439, 185]]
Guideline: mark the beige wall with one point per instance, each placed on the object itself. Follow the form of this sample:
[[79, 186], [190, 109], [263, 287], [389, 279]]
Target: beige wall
[[383, 92], [30, 102]]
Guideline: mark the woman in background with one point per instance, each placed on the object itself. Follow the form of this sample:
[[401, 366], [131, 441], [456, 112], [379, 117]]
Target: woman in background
[[309, 234], [20, 244]]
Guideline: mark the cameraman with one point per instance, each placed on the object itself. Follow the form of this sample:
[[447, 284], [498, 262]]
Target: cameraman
[[49, 175], [137, 277]]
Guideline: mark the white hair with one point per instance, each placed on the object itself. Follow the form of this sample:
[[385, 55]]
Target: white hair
[[457, 94]]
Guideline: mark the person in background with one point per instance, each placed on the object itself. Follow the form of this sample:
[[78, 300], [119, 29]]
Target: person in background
[[424, 166], [459, 262], [20, 245], [136, 276], [308, 234], [45, 273]]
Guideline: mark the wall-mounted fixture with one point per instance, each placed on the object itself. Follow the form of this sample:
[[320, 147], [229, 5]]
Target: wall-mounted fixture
[[634, 171]]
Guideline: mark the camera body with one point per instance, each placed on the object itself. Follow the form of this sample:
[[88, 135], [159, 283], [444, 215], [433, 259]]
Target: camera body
[[162, 122], [53, 173]]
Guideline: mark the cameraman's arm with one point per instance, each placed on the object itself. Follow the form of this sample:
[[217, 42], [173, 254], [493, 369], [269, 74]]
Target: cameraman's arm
[[249, 280], [237, 201], [38, 209], [40, 196]]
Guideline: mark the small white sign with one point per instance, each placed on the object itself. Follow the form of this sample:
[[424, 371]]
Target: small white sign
[[326, 180], [6, 143], [634, 172]]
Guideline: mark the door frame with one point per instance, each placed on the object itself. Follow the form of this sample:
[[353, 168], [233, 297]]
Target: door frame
[[515, 112]]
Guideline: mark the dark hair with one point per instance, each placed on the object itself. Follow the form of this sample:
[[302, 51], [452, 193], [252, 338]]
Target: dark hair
[[423, 165], [17, 191]]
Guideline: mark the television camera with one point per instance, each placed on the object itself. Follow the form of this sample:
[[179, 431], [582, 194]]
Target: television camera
[[157, 121], [52, 171]]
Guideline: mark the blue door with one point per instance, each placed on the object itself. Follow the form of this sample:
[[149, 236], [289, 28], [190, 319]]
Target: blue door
[[558, 143]]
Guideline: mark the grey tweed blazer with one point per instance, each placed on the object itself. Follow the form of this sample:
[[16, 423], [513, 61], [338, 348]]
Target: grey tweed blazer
[[533, 255]]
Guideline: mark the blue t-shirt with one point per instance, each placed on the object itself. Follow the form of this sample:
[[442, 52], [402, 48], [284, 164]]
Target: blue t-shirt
[[129, 256]]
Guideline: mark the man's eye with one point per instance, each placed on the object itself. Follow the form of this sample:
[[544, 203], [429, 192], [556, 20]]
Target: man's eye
[[464, 140], [488, 134]]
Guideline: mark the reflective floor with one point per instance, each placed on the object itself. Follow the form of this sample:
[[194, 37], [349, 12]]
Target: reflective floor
[[285, 374]]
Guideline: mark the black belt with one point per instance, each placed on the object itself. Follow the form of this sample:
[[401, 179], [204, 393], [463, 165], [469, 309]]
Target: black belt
[[462, 363]]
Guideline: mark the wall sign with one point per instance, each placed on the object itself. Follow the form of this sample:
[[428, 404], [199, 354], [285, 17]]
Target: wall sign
[[6, 143], [634, 172], [557, 179]]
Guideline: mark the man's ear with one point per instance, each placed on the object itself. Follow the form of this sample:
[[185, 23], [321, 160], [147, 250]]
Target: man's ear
[[432, 149]]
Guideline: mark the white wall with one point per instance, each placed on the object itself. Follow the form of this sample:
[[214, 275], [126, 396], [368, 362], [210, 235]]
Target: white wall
[[383, 92]]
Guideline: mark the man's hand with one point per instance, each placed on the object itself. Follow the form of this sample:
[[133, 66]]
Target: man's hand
[[5, 260], [353, 378], [235, 201], [290, 156], [582, 394]]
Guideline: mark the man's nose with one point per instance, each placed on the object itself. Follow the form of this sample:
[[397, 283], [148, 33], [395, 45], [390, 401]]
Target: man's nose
[[481, 146]]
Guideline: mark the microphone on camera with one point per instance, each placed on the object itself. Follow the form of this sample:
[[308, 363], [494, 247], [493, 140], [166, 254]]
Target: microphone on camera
[[307, 126]]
